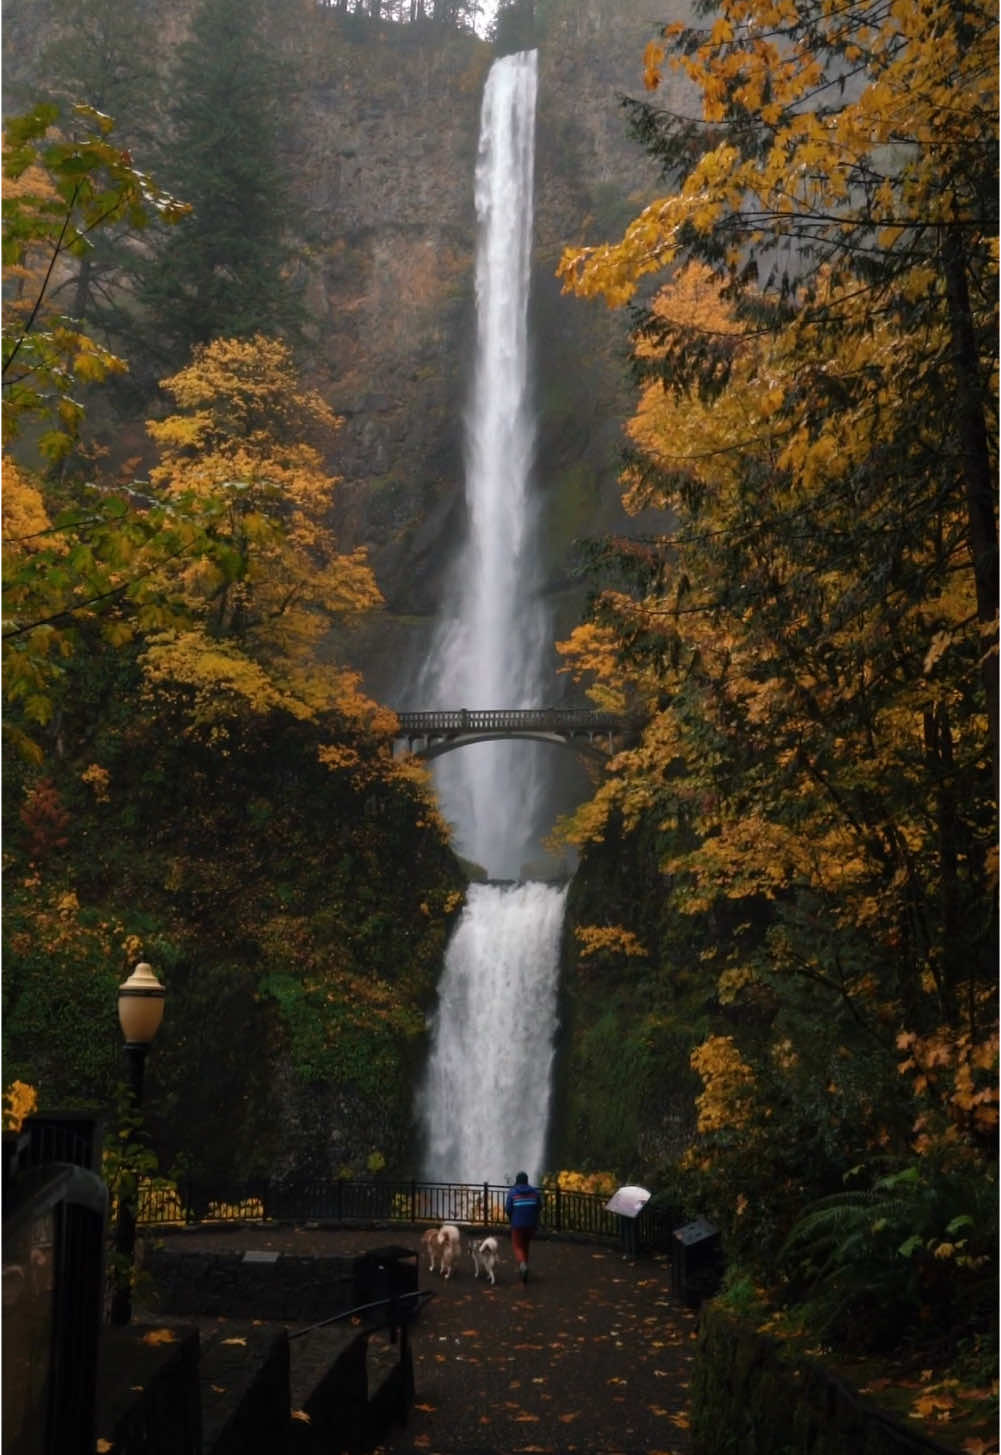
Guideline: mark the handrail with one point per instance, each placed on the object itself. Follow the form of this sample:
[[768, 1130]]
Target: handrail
[[422, 1294]]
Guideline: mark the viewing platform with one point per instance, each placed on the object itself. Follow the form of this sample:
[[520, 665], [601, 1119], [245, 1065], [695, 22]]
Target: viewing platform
[[430, 734]]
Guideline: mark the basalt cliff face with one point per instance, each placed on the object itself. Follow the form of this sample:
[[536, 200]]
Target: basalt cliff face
[[389, 170]]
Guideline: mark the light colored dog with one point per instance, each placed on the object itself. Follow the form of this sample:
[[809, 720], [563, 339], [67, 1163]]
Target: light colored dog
[[486, 1255], [449, 1247], [429, 1246]]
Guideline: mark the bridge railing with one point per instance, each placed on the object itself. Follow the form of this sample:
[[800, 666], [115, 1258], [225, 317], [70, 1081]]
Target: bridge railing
[[334, 1200], [528, 719]]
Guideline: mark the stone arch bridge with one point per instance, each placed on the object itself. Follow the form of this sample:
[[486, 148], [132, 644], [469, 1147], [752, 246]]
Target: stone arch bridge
[[430, 734]]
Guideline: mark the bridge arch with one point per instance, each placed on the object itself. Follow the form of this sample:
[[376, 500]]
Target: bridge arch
[[428, 735]]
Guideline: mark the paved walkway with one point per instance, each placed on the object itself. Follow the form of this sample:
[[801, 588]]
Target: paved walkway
[[590, 1357]]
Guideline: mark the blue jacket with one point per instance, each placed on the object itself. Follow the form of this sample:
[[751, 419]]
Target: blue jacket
[[524, 1205]]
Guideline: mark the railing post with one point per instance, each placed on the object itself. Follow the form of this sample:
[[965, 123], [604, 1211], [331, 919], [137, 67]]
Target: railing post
[[559, 1209], [486, 1203], [413, 1200], [339, 1200]]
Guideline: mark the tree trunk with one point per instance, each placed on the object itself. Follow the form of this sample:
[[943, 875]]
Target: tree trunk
[[972, 431]]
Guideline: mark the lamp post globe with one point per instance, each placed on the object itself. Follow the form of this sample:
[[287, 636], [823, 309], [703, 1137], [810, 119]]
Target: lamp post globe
[[140, 1011]]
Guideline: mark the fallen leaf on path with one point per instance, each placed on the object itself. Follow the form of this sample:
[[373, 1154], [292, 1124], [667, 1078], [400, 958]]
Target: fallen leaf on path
[[167, 1336], [567, 1418], [302, 1415], [426, 1409], [526, 1419], [933, 1404]]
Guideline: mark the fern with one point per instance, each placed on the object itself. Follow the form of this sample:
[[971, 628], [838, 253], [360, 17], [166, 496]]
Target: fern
[[916, 1240]]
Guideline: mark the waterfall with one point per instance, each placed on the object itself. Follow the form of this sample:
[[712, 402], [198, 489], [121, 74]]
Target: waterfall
[[487, 1091], [485, 1101], [488, 649]]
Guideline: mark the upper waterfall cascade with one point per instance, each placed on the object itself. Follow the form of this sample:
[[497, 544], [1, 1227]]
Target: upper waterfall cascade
[[489, 648]]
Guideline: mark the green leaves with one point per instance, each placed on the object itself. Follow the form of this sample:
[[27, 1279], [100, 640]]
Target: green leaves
[[58, 191], [71, 185]]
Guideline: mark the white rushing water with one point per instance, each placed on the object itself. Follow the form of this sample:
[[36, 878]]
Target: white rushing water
[[487, 1094], [489, 648], [485, 1102]]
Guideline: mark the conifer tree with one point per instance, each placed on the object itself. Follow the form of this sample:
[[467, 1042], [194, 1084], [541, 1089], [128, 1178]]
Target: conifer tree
[[229, 271]]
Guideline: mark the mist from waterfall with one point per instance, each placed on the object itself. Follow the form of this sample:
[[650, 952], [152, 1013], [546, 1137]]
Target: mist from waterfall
[[484, 1105]]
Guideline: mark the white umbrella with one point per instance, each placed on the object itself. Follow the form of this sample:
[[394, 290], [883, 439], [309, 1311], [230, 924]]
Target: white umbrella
[[629, 1201]]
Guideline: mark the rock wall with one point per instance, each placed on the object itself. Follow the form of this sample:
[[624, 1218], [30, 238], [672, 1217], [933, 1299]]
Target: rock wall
[[381, 149], [387, 161]]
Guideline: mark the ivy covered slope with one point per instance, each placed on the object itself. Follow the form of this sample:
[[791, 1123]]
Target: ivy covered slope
[[807, 820], [190, 778]]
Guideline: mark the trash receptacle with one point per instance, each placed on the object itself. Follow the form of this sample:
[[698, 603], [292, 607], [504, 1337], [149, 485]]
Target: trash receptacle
[[696, 1261], [385, 1273]]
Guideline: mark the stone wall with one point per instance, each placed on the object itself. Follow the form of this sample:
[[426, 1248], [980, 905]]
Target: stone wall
[[279, 1286]]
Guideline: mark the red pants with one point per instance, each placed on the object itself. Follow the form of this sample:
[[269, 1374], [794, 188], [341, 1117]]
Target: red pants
[[520, 1239]]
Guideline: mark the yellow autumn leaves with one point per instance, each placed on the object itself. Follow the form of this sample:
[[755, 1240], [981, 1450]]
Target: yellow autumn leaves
[[809, 645], [265, 597]]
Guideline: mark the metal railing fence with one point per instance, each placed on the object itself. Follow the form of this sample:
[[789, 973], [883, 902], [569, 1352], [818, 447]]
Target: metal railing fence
[[377, 1201]]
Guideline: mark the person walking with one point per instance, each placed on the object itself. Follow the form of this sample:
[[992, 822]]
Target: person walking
[[523, 1206]]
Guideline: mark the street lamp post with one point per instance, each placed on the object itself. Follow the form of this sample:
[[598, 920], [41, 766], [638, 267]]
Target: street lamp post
[[140, 1011]]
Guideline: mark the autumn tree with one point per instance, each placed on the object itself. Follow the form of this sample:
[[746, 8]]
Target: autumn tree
[[206, 788], [847, 167], [244, 446], [812, 644], [78, 558]]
